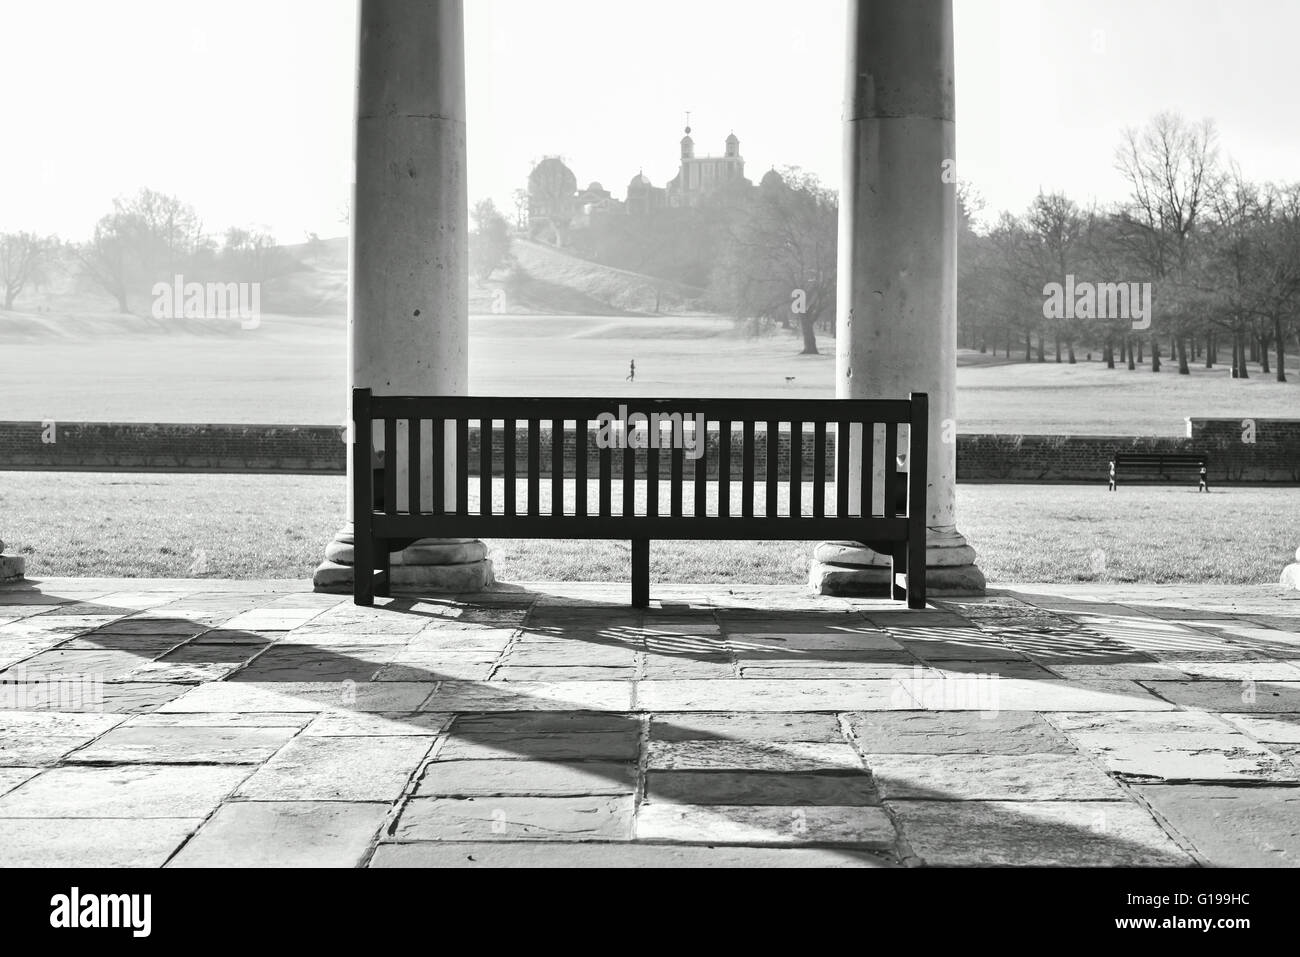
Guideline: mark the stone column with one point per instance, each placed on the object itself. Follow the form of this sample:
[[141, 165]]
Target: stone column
[[897, 295], [1290, 574], [11, 566], [408, 302]]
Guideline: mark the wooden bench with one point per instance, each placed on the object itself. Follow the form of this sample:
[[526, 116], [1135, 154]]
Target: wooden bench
[[401, 502], [1157, 465]]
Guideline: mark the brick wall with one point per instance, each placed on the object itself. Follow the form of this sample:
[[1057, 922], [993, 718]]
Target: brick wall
[[1259, 450], [1237, 450], [148, 447]]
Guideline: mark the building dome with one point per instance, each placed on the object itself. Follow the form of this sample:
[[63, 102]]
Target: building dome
[[638, 181], [595, 187], [733, 138]]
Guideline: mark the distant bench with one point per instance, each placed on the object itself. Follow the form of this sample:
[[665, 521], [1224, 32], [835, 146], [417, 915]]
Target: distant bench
[[1159, 466], [420, 432]]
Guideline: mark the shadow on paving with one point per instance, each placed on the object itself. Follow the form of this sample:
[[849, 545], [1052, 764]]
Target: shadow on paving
[[592, 756]]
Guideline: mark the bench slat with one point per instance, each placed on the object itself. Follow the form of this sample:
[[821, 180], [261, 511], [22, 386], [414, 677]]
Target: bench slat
[[724, 468], [485, 466], [580, 466], [819, 470], [675, 482], [557, 466], [652, 480], [702, 474], [891, 470], [534, 467], [510, 463], [843, 441], [606, 481], [462, 466], [437, 467], [413, 502], [390, 466], [629, 478], [747, 471], [796, 469], [773, 465]]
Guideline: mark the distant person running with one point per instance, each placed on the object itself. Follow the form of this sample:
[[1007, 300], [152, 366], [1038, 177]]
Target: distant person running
[[1205, 480], [1112, 476], [631, 375]]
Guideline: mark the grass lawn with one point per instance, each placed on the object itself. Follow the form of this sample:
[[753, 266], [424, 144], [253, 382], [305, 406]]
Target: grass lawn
[[273, 526], [291, 370]]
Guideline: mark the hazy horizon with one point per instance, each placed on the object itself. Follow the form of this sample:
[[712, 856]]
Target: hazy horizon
[[1043, 91]]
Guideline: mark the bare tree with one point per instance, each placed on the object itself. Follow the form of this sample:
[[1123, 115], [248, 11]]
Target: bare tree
[[107, 259], [24, 260], [1171, 167], [778, 256]]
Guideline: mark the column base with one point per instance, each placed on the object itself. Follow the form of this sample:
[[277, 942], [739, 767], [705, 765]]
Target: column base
[[1291, 574], [12, 568], [431, 564], [849, 570]]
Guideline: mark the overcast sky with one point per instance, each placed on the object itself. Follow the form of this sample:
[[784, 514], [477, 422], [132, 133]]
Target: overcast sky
[[244, 107]]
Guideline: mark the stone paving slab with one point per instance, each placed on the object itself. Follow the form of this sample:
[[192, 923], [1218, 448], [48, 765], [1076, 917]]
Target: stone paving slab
[[259, 724], [991, 777], [184, 745], [92, 842], [956, 732], [285, 834], [752, 726], [531, 696], [12, 776], [559, 854], [786, 756], [866, 827], [1221, 696], [313, 696], [755, 788], [348, 724], [587, 818], [1271, 728], [338, 769], [1187, 757], [488, 778], [1036, 834], [125, 791], [620, 745], [1233, 826], [752, 694]]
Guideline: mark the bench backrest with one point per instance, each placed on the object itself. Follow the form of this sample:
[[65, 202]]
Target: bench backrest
[[422, 434]]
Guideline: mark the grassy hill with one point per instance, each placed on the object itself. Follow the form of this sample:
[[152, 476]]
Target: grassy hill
[[548, 281], [541, 281]]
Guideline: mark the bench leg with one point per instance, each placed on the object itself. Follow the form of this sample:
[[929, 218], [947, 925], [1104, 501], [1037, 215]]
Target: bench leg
[[384, 565], [640, 573], [898, 566], [363, 565], [915, 552]]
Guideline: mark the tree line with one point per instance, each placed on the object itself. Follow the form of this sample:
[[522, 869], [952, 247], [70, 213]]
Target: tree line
[[1221, 254], [146, 238]]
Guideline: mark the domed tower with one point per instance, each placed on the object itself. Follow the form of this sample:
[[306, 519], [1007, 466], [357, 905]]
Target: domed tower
[[688, 145], [733, 146]]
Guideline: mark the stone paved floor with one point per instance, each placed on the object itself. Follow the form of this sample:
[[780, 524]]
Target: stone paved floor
[[256, 723]]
